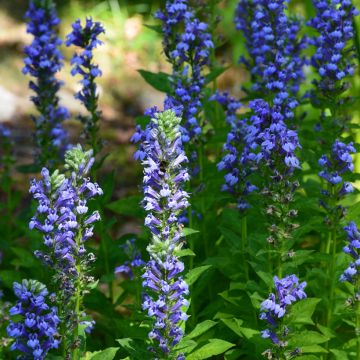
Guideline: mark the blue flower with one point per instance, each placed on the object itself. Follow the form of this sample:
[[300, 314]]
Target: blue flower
[[66, 223], [274, 47], [86, 38], [187, 45], [334, 167], [352, 248], [135, 260], [36, 332], [236, 181], [276, 307], [332, 58], [164, 201], [43, 60]]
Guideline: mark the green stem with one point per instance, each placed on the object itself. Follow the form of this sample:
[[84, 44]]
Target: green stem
[[62, 330], [331, 248], [244, 244], [78, 298], [357, 313]]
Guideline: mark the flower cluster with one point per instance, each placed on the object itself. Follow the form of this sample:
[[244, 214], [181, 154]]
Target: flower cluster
[[64, 220], [187, 45], [353, 237], [269, 140], [164, 201], [43, 60], [135, 260], [332, 60], [36, 333], [275, 61], [274, 309], [340, 161], [236, 174], [335, 167], [86, 38]]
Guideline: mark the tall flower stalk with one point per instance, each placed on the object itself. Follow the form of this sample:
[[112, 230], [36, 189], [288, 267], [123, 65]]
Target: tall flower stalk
[[275, 311], [274, 46], [86, 38], [43, 61], [269, 143], [64, 219], [351, 275], [334, 168], [36, 331], [187, 44], [164, 200], [333, 62]]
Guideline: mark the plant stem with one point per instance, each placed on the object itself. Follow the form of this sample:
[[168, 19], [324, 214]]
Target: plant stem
[[244, 244], [332, 242], [77, 296], [357, 314]]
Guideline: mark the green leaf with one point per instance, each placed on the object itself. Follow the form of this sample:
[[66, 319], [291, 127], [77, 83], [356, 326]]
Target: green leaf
[[212, 348], [214, 74], [133, 349], [188, 231], [194, 274], [201, 329], [156, 28], [185, 252], [307, 338], [129, 206], [159, 81], [185, 346], [326, 331], [302, 311], [234, 325], [313, 349], [107, 354], [8, 277], [24, 258], [339, 354]]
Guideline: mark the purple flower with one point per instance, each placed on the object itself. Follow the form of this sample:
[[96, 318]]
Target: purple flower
[[274, 47], [135, 259], [36, 332], [275, 308], [86, 38], [164, 201], [64, 219], [43, 60], [187, 45], [236, 175], [332, 59], [352, 248], [334, 167]]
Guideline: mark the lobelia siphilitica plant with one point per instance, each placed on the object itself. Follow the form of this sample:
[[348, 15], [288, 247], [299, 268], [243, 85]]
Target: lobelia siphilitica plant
[[275, 311], [64, 219], [274, 47], [351, 275], [43, 61], [236, 177], [187, 44], [270, 144], [86, 38], [335, 167], [35, 325], [334, 65], [164, 200]]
